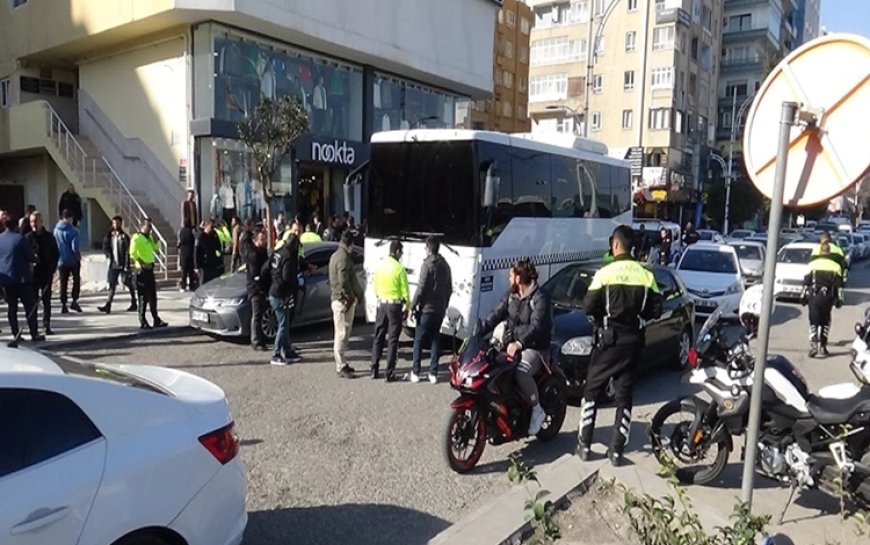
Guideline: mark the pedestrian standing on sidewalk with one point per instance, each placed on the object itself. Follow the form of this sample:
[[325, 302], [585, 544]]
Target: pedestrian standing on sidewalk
[[70, 201], [69, 261], [259, 279], [16, 279], [346, 294], [43, 247], [189, 214], [284, 268], [116, 246], [24, 223], [394, 306], [143, 248], [235, 234], [186, 243], [209, 253], [430, 305]]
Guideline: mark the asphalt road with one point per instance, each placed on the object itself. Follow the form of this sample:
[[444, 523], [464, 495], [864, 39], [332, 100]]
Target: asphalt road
[[360, 462]]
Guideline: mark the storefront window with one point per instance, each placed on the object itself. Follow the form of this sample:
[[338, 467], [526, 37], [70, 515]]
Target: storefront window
[[230, 187], [248, 70], [402, 105]]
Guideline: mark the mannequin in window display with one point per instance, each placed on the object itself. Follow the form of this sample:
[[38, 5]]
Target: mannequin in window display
[[337, 86], [320, 103], [267, 76], [228, 198]]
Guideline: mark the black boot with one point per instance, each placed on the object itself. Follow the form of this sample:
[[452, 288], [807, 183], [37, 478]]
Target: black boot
[[587, 428], [621, 434], [375, 374], [107, 308], [823, 350]]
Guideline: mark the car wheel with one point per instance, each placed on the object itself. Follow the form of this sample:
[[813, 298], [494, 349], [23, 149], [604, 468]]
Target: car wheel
[[143, 539], [683, 347], [269, 324]]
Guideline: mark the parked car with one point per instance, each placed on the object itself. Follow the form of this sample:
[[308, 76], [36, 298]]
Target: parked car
[[221, 307], [712, 275], [740, 234], [750, 255], [115, 454], [668, 339], [849, 250], [709, 235], [863, 242], [792, 265]]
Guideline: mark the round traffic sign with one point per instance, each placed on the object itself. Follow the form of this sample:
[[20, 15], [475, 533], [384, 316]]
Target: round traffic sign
[[829, 76]]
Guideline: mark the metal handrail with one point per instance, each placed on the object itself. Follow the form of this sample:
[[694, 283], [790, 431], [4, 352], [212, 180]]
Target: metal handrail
[[87, 169]]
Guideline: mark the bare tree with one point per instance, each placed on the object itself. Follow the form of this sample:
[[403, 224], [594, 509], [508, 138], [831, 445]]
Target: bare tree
[[270, 131]]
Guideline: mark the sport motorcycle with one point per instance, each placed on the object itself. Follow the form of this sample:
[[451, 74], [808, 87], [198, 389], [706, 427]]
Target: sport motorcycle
[[806, 440], [489, 407]]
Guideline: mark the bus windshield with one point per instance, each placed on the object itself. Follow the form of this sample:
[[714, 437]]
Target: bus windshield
[[416, 188]]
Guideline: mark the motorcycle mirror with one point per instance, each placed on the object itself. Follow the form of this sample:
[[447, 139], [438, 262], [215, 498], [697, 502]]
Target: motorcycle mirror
[[859, 329]]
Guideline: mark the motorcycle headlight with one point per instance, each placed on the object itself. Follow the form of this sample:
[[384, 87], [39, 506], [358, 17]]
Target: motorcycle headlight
[[469, 380], [230, 302], [736, 287], [578, 346]]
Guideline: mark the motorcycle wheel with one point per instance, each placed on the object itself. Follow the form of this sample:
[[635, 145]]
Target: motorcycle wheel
[[670, 447], [555, 404], [464, 439]]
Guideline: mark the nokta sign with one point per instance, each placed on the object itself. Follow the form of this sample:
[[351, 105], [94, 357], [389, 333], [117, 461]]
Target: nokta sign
[[334, 152]]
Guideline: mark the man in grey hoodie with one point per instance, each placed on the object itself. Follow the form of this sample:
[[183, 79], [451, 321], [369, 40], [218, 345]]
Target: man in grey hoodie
[[69, 263]]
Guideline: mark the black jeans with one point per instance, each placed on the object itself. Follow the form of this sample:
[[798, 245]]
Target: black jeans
[[42, 292], [820, 318], [113, 277], [388, 327], [146, 287], [617, 363], [258, 307], [428, 327], [23, 293], [210, 274], [65, 272]]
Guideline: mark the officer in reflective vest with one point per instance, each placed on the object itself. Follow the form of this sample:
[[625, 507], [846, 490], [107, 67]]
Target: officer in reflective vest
[[394, 306], [836, 253], [143, 249], [623, 295], [822, 290]]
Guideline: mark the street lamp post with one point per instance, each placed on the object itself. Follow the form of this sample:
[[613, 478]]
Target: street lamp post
[[736, 116]]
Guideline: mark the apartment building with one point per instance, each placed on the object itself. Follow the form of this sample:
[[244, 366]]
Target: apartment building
[[651, 86], [135, 104], [506, 110]]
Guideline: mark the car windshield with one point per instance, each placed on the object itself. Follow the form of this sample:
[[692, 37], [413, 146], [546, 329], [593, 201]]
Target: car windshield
[[795, 255], [568, 287], [705, 235], [712, 261], [747, 251], [89, 370], [741, 234]]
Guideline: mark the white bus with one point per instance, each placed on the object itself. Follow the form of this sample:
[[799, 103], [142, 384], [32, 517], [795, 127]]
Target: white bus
[[493, 198]]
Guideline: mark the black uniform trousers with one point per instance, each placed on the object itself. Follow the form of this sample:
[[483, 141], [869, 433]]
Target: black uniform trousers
[[42, 293], [820, 306], [617, 363], [388, 327], [24, 294], [258, 307], [113, 277], [146, 287], [189, 279], [65, 272]]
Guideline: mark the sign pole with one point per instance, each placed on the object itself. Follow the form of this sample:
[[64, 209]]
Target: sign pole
[[789, 114]]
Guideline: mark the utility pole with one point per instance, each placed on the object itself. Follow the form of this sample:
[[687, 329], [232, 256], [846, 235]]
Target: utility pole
[[592, 55]]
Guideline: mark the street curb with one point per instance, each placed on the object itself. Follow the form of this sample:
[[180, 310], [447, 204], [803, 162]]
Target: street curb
[[171, 331], [502, 521]]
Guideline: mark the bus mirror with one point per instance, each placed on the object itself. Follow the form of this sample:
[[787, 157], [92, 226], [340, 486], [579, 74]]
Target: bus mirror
[[490, 190], [349, 195]]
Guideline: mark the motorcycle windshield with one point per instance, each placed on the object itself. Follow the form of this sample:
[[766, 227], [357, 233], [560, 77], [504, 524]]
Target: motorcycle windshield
[[709, 324], [471, 347]]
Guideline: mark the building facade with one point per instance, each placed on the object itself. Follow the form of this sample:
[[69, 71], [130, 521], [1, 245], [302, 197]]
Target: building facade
[[651, 87], [136, 104], [507, 109]]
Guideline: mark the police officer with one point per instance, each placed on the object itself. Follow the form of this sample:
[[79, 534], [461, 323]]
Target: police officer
[[621, 297], [394, 305], [208, 253], [143, 247], [836, 253], [822, 290]]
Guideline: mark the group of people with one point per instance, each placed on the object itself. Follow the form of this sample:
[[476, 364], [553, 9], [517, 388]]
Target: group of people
[[644, 243]]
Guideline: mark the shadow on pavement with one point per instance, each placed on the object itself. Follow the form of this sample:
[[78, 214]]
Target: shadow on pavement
[[784, 314], [536, 453], [360, 524]]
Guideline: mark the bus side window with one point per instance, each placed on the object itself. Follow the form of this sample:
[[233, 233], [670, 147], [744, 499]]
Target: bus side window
[[494, 159], [586, 180], [566, 199], [531, 171]]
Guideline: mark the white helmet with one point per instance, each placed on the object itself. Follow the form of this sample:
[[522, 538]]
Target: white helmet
[[750, 308], [860, 365]]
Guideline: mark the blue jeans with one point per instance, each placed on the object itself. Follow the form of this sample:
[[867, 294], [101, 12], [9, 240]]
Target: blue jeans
[[428, 325], [282, 336]]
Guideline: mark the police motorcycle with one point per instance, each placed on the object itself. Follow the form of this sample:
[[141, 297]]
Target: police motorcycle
[[489, 407], [806, 440]]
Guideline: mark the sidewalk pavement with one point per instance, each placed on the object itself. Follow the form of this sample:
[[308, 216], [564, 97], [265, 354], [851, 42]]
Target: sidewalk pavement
[[92, 324]]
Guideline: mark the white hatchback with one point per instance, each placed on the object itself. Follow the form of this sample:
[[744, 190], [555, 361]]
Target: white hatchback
[[792, 266], [711, 273], [115, 455]]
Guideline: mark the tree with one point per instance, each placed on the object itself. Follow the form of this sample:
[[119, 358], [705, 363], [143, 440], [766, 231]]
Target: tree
[[270, 131]]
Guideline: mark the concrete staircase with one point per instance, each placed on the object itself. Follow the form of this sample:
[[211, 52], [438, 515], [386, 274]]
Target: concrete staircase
[[94, 178]]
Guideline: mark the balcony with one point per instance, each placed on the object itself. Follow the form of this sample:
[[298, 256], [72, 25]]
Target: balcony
[[733, 36], [741, 64]]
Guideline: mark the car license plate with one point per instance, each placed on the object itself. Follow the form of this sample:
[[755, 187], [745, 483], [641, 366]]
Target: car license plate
[[700, 303], [199, 316]]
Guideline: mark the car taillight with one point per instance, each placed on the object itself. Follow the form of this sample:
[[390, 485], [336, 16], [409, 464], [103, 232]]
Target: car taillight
[[223, 443], [693, 358]]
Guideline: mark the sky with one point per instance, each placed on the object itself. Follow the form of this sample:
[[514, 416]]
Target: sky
[[851, 16]]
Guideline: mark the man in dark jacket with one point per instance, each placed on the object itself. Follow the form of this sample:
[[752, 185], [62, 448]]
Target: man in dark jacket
[[529, 316], [116, 247], [345, 294], [69, 263], [43, 248], [16, 279], [641, 244], [186, 245], [71, 201], [664, 247], [259, 277], [209, 253], [429, 306], [284, 268], [690, 236]]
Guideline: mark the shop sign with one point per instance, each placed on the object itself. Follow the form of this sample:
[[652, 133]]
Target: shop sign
[[659, 195], [333, 152], [655, 176], [635, 160]]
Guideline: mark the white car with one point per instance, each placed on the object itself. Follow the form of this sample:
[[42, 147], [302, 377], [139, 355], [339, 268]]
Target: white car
[[740, 234], [750, 255], [115, 455], [709, 235], [792, 265], [711, 272]]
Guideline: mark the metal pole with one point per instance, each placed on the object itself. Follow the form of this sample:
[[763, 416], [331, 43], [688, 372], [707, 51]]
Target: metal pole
[[590, 66], [730, 176], [789, 112]]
